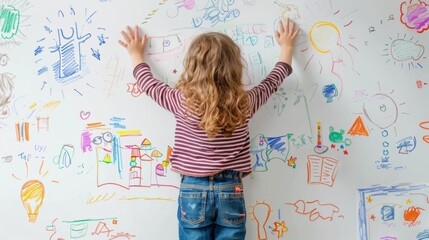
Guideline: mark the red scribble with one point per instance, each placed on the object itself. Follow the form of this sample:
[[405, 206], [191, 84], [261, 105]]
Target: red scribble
[[348, 24], [102, 229]]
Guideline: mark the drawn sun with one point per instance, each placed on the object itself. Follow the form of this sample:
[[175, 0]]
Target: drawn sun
[[326, 47], [382, 109]]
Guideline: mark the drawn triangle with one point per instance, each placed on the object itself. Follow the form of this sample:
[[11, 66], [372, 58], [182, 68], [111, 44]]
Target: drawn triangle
[[358, 128], [107, 158]]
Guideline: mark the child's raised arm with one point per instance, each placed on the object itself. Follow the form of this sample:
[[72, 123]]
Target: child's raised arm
[[285, 37]]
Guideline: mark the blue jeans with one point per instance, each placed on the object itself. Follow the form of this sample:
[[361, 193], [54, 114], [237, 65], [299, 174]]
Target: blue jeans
[[212, 208]]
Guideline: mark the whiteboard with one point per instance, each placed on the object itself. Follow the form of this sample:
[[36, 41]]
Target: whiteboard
[[339, 152]]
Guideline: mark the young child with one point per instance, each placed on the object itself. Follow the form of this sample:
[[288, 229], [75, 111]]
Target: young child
[[212, 142]]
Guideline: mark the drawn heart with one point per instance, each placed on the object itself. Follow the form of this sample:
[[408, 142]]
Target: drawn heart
[[84, 115]]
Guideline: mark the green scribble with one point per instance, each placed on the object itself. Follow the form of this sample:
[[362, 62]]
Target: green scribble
[[9, 21]]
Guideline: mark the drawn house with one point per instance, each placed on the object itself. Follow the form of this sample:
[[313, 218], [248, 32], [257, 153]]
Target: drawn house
[[109, 168], [141, 165], [144, 162], [135, 170]]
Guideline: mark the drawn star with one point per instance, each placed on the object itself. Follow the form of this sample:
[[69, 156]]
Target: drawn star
[[409, 201], [280, 228], [346, 152], [175, 71], [372, 217], [333, 145], [292, 162], [369, 199]]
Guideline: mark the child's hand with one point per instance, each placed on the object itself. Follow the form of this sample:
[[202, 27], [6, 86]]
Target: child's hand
[[285, 37], [134, 43]]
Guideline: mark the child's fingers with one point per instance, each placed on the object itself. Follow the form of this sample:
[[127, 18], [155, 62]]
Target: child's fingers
[[296, 33], [144, 39], [126, 37], [277, 34], [123, 44], [136, 32], [282, 29], [130, 33], [291, 27], [287, 24]]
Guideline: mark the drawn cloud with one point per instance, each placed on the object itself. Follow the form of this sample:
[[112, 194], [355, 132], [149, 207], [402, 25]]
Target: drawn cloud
[[415, 15], [404, 50]]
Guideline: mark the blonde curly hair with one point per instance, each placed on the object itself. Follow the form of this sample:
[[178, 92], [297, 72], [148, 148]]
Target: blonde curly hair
[[211, 84]]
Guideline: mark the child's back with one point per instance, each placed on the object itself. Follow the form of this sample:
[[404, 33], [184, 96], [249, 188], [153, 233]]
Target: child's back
[[212, 142]]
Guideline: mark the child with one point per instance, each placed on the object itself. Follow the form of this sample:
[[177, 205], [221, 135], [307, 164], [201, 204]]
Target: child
[[212, 142]]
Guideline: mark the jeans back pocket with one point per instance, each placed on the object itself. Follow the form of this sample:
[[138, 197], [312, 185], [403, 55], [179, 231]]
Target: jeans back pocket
[[233, 209], [192, 207]]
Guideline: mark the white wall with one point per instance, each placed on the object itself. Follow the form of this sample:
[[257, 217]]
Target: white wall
[[71, 123]]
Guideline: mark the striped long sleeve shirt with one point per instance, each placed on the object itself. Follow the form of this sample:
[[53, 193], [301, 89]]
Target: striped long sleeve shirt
[[194, 154]]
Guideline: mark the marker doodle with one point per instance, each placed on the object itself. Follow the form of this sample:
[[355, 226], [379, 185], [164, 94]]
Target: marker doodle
[[261, 213], [70, 46], [316, 210], [321, 170], [414, 15], [401, 51], [319, 148], [13, 22]]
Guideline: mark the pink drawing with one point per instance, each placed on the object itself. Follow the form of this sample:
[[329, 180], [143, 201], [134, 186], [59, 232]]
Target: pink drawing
[[84, 115], [415, 15]]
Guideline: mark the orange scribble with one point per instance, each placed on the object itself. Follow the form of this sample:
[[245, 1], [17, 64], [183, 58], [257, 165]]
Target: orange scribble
[[22, 131], [412, 213], [27, 131], [95, 125], [280, 228], [424, 125]]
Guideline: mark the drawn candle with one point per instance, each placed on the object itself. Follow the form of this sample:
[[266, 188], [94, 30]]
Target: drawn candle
[[319, 147], [319, 135]]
